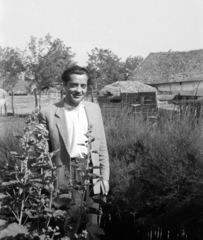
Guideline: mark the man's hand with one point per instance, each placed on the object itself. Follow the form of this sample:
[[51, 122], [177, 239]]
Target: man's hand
[[106, 186]]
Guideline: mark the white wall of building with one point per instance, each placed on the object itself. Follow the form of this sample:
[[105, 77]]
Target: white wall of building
[[193, 88]]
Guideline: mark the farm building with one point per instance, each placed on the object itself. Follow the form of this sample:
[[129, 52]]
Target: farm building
[[175, 73], [131, 94]]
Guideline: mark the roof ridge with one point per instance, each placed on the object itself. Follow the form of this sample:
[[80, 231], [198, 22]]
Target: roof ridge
[[171, 52]]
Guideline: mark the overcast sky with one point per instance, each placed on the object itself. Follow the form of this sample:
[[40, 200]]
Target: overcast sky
[[127, 27]]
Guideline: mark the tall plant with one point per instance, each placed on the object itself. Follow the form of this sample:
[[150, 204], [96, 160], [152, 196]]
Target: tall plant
[[30, 200]]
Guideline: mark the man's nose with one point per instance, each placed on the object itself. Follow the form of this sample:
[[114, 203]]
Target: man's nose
[[78, 89]]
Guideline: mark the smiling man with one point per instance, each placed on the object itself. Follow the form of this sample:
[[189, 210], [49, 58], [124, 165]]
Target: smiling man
[[67, 122]]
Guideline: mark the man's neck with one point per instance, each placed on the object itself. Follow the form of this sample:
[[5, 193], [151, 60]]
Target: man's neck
[[70, 106]]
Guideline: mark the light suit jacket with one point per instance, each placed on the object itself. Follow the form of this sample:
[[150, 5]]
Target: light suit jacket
[[53, 118]]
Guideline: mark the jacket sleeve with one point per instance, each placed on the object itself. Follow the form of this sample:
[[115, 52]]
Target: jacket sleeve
[[103, 151]]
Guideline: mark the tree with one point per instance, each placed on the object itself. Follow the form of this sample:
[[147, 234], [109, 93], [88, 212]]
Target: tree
[[45, 60], [130, 65], [11, 69], [104, 67]]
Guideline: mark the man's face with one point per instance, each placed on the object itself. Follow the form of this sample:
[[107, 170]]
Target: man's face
[[76, 89]]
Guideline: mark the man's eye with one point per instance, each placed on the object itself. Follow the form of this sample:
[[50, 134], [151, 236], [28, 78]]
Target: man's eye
[[83, 86]]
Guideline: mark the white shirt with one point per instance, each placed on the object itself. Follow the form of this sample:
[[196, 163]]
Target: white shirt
[[77, 126]]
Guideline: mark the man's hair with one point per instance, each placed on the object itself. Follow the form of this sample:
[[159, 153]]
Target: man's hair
[[75, 69]]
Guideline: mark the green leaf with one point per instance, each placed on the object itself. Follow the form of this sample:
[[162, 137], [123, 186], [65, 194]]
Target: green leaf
[[30, 215], [61, 201], [5, 201], [94, 232], [92, 140], [57, 233], [59, 213], [54, 152], [2, 195], [13, 229], [24, 186], [2, 223], [10, 183], [42, 237], [19, 157], [13, 153], [74, 212]]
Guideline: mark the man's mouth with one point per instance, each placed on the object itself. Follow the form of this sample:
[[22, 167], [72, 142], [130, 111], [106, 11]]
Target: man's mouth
[[77, 96]]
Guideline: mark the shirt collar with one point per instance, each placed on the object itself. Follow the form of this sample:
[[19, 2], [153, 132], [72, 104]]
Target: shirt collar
[[71, 108]]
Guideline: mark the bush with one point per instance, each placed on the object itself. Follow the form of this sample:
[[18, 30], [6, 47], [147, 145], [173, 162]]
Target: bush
[[156, 168]]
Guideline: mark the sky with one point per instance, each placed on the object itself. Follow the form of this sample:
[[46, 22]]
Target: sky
[[126, 27]]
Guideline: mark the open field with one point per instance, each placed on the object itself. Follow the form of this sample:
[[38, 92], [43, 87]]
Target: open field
[[23, 105], [26, 104]]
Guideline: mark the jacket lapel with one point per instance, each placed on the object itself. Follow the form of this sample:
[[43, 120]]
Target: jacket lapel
[[61, 123], [88, 110]]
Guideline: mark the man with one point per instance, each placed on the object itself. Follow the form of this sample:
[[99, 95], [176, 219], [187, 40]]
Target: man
[[67, 121]]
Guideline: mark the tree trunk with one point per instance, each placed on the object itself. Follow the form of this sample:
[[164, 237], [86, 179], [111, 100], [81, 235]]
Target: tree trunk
[[92, 95], [61, 94], [40, 94], [12, 102], [35, 94]]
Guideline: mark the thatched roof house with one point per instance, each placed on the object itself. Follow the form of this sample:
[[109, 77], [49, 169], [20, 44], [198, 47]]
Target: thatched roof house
[[136, 95], [166, 67], [119, 87]]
